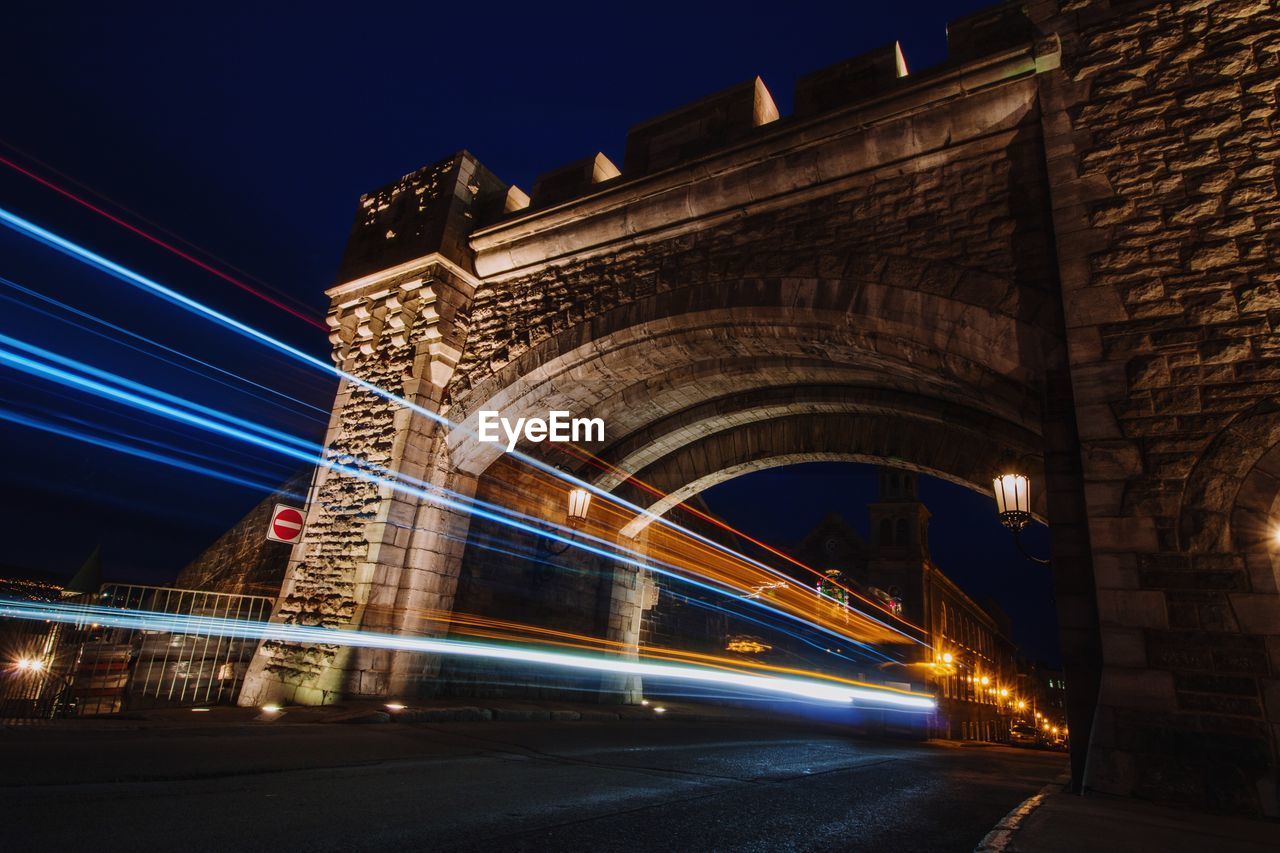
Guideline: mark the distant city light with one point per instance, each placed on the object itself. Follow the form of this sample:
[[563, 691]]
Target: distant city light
[[394, 706], [271, 709], [659, 710]]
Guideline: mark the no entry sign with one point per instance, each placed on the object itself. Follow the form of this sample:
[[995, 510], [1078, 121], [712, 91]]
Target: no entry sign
[[286, 524]]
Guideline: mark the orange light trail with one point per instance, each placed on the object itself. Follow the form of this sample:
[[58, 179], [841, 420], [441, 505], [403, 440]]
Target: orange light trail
[[590, 458]]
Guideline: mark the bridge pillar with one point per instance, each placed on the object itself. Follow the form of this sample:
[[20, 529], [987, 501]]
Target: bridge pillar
[[631, 593], [380, 552]]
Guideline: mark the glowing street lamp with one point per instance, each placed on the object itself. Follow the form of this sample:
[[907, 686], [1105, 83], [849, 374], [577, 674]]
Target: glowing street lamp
[[1013, 504], [1013, 500], [579, 503], [33, 665], [576, 512]]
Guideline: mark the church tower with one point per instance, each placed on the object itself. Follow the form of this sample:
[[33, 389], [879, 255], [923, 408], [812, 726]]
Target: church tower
[[899, 552]]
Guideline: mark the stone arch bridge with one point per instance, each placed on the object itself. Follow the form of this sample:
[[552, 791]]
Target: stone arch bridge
[[1058, 247]]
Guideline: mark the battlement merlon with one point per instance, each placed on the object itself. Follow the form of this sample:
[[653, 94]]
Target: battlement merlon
[[435, 211]]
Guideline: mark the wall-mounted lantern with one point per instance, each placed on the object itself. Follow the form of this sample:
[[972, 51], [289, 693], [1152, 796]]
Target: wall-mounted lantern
[[1013, 503], [579, 502]]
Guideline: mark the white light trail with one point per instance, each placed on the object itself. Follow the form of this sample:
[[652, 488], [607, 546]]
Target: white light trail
[[172, 296], [813, 689]]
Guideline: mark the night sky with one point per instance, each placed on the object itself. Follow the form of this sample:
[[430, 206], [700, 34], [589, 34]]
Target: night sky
[[251, 134]]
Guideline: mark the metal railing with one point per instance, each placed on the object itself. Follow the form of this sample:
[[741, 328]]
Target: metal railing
[[88, 669]]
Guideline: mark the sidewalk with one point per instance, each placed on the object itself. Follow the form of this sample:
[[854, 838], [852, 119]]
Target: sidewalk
[[1054, 821]]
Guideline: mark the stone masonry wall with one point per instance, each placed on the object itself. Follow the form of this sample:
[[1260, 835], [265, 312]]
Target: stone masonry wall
[[1162, 136], [980, 212], [243, 561], [322, 590]]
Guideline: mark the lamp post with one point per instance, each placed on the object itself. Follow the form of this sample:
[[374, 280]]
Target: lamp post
[[1013, 504]]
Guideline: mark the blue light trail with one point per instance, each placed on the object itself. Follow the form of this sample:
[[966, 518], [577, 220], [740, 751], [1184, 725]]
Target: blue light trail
[[312, 455], [135, 279], [48, 300], [141, 453]]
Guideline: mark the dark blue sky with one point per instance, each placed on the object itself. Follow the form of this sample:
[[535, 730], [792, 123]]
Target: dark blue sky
[[251, 132]]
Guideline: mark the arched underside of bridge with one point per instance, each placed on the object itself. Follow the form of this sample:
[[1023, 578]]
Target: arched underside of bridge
[[653, 370], [707, 383], [762, 438]]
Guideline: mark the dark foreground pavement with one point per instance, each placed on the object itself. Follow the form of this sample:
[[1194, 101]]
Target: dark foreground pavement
[[626, 785]]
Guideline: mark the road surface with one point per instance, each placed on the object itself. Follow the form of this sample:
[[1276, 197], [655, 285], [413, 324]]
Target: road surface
[[629, 785]]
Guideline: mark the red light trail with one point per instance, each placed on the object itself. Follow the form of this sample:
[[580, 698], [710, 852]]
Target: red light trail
[[186, 256]]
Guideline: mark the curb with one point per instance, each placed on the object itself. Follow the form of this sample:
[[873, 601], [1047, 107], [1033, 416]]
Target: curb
[[999, 839]]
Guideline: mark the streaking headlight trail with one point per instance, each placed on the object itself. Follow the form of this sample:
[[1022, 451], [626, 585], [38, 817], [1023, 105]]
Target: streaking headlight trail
[[803, 688], [172, 296]]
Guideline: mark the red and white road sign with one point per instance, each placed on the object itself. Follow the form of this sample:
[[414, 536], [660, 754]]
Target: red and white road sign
[[286, 524]]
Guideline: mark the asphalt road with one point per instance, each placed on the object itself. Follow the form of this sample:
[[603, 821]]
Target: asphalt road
[[635, 786]]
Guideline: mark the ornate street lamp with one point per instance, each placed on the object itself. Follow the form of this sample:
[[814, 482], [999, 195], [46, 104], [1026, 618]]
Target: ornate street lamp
[[1013, 503], [579, 504]]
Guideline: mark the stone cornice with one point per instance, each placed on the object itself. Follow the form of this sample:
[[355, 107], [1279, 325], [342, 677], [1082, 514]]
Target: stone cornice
[[420, 264]]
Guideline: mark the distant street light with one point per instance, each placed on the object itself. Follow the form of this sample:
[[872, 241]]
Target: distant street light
[[1013, 504], [34, 665]]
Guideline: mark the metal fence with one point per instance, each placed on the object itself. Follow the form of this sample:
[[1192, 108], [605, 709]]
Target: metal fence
[[88, 669]]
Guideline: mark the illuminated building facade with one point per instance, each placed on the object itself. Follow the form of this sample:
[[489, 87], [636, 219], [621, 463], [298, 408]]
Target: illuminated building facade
[[976, 685]]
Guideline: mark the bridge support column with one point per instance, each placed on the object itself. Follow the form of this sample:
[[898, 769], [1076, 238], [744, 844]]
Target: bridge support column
[[631, 592], [379, 551]]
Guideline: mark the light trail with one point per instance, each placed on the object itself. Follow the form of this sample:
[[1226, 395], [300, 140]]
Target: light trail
[[243, 461], [141, 453], [137, 280], [496, 629], [153, 224], [878, 656], [228, 426], [516, 520], [628, 477], [48, 300], [164, 245], [142, 389], [807, 688]]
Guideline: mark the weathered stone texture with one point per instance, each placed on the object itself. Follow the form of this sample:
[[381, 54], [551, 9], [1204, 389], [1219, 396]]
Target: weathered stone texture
[[1166, 205], [969, 214], [242, 561], [1039, 257]]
